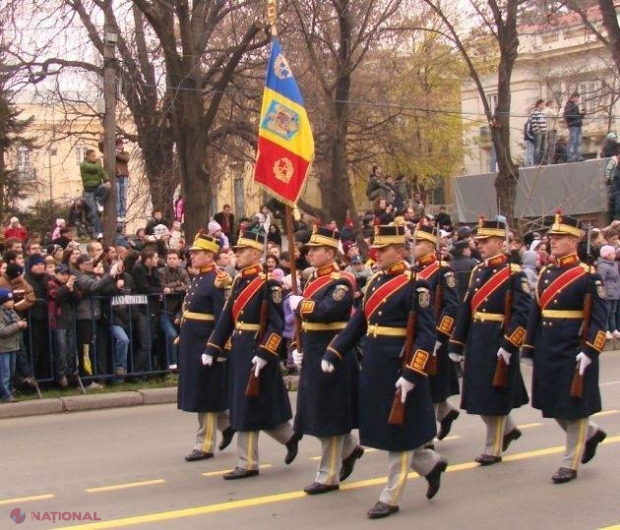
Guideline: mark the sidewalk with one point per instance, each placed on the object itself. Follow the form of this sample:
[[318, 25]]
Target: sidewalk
[[101, 400]]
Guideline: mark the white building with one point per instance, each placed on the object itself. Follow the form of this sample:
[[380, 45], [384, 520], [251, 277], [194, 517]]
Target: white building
[[554, 61]]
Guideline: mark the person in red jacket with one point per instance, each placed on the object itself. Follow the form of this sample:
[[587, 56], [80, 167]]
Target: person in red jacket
[[15, 229]]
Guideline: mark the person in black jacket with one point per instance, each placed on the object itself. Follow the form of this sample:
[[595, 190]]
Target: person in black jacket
[[573, 116], [37, 337], [126, 320], [147, 281]]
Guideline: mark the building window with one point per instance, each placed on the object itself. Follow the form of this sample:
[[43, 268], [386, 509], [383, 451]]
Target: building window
[[25, 171], [239, 195], [550, 37], [492, 101], [80, 153], [591, 96]]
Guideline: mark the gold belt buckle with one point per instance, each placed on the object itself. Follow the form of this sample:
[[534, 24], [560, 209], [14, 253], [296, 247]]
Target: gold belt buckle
[[372, 330]]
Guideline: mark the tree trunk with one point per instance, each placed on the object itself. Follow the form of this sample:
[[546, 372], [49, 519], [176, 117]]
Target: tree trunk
[[337, 196], [508, 172], [610, 21]]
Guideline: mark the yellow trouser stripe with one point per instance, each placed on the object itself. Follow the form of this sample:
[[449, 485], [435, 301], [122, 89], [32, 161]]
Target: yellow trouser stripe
[[251, 435], [499, 428], [581, 442], [333, 460], [402, 477], [207, 446]]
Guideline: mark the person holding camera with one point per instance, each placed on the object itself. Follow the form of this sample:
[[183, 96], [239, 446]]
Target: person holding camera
[[62, 298]]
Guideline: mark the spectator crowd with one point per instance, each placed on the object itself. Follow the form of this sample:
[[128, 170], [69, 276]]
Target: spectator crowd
[[107, 313]]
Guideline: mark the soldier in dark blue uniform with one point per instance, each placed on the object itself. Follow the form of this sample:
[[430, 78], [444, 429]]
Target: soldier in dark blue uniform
[[566, 334], [445, 302], [390, 297], [491, 322], [201, 389], [253, 349], [327, 403]]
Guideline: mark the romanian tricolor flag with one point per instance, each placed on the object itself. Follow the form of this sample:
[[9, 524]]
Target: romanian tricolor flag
[[285, 143]]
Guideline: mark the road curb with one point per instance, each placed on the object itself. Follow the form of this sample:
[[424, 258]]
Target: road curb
[[106, 400], [102, 401]]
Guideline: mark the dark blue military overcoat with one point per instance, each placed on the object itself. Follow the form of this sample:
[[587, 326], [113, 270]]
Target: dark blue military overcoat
[[386, 310], [326, 403], [202, 389], [554, 337], [238, 322], [480, 326]]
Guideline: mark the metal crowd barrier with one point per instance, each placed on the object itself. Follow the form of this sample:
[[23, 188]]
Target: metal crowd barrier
[[149, 351]]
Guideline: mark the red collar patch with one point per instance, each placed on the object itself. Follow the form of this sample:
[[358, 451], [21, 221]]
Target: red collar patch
[[427, 260], [568, 261], [206, 269], [328, 269], [496, 260], [253, 270], [396, 268]]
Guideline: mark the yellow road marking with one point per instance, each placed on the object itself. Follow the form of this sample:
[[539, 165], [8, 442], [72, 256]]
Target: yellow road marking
[[28, 499], [529, 425], [220, 473], [280, 497], [126, 486], [606, 413]]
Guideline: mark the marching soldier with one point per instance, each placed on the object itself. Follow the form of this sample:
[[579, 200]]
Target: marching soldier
[[491, 323], [395, 304], [201, 389], [566, 334], [254, 320], [445, 302], [326, 403]]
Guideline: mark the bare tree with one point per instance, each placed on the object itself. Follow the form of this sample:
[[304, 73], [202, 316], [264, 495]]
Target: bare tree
[[339, 37], [499, 20]]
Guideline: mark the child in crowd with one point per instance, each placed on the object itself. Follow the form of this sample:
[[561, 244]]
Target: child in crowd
[[607, 268], [10, 327]]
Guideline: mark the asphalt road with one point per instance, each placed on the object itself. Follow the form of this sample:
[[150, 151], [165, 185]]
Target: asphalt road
[[126, 465]]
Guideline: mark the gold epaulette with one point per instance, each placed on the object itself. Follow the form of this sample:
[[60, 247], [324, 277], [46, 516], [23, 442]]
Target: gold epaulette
[[408, 273], [223, 280], [588, 268], [515, 268], [336, 275]]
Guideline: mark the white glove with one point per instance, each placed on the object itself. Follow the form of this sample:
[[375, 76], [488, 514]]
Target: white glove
[[405, 387], [503, 353], [293, 301], [327, 367], [259, 364], [455, 357], [207, 360], [298, 356], [436, 349], [584, 361], [114, 269]]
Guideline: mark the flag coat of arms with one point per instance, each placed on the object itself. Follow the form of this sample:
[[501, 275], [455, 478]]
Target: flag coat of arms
[[285, 143]]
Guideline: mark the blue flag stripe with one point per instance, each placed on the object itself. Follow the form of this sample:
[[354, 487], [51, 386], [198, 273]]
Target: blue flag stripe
[[279, 77]]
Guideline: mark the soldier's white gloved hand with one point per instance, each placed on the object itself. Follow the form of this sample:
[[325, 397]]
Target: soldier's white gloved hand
[[505, 355], [293, 301], [207, 360], [259, 364], [584, 361], [114, 270], [436, 349], [327, 367], [298, 357], [405, 387], [455, 357]]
